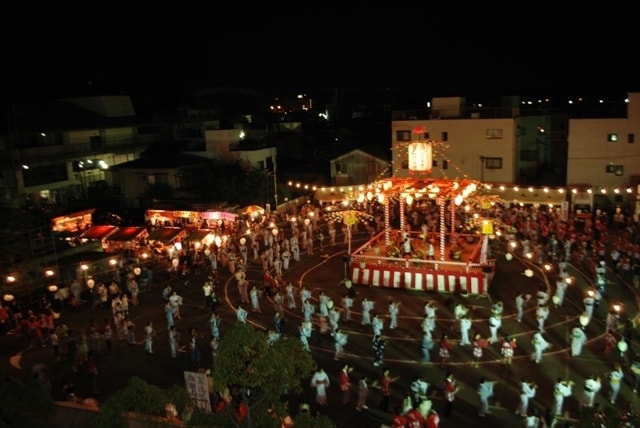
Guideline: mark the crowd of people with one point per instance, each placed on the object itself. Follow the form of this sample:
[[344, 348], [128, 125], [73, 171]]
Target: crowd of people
[[278, 242]]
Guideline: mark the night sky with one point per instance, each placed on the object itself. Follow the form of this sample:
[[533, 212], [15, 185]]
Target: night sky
[[453, 49]]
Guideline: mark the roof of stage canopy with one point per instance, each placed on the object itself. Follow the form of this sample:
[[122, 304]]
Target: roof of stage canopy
[[423, 187]]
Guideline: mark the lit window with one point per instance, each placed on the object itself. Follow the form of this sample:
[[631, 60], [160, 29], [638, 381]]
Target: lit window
[[612, 138], [493, 134]]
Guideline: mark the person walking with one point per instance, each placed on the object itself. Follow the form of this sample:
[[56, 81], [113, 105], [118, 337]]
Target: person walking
[[561, 390], [578, 339], [347, 304], [426, 345], [592, 386], [507, 349], [378, 350], [341, 340], [465, 327], [306, 328], [542, 313], [450, 388], [367, 307], [345, 383], [214, 322], [207, 289], [495, 322], [377, 324], [149, 332], [255, 300], [539, 346], [527, 392], [363, 392], [485, 392], [385, 389], [479, 343], [173, 342], [290, 290], [521, 301], [445, 348], [615, 382], [394, 310], [241, 315], [320, 381]]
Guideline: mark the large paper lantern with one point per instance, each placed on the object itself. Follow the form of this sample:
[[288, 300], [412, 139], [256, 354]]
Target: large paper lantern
[[420, 156]]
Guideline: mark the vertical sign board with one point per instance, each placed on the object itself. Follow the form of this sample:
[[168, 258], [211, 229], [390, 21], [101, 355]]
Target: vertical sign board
[[197, 386]]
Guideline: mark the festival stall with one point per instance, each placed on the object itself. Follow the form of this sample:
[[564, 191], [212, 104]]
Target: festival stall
[[97, 233], [73, 222], [126, 238]]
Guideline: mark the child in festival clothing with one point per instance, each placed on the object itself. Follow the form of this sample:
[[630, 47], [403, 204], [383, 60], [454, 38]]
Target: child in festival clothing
[[445, 349], [479, 343], [509, 344]]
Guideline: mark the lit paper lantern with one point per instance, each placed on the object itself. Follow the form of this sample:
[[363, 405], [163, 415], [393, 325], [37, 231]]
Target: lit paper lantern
[[137, 270], [175, 262], [528, 273], [90, 283], [420, 157], [243, 241], [584, 320], [622, 346], [508, 256], [556, 300]]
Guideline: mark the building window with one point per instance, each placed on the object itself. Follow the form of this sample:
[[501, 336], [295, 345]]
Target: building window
[[445, 136], [403, 135], [434, 163], [619, 170], [445, 164], [493, 163], [341, 168], [630, 138], [612, 138], [493, 134], [611, 169]]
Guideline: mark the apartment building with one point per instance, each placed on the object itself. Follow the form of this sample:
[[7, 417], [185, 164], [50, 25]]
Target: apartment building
[[522, 145]]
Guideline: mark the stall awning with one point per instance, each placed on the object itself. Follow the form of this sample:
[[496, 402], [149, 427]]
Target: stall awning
[[197, 235], [165, 234], [127, 233], [97, 233]]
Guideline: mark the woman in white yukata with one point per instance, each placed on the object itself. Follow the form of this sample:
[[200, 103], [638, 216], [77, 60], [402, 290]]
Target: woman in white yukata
[[320, 381]]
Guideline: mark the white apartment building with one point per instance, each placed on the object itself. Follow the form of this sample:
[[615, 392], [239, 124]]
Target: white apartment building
[[504, 147]]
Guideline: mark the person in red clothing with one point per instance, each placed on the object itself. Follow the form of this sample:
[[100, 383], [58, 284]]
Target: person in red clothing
[[433, 420], [385, 389], [445, 349], [398, 420], [345, 383], [450, 389], [415, 419]]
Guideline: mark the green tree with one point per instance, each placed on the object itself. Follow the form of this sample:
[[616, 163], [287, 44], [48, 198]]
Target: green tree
[[260, 375], [25, 404]]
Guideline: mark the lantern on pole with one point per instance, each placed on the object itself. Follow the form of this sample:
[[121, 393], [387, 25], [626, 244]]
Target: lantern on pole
[[420, 156]]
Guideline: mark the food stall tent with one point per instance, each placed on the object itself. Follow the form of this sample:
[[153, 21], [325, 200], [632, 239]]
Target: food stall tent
[[126, 238]]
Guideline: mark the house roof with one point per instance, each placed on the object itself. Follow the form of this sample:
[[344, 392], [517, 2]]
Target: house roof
[[165, 234], [365, 151], [198, 234], [163, 161], [98, 232], [127, 233]]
